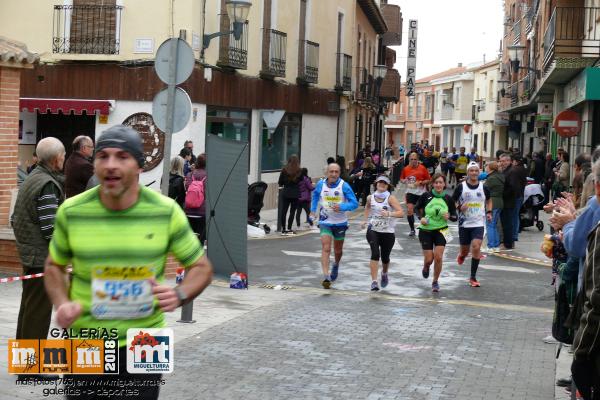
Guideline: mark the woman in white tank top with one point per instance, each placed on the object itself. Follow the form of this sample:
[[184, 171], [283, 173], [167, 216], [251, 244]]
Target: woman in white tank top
[[380, 212]]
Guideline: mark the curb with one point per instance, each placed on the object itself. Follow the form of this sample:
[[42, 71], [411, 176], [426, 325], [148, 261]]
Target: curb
[[527, 260]]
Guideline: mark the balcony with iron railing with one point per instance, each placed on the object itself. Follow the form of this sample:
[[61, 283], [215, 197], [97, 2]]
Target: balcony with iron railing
[[86, 29], [343, 78], [233, 53], [513, 91], [308, 62], [572, 32], [274, 53], [447, 112], [516, 30], [529, 14], [366, 90]]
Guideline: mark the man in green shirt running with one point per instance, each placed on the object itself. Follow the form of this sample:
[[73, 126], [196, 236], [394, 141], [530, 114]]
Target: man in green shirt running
[[117, 237]]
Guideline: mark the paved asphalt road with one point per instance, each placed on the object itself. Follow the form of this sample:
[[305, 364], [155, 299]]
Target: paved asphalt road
[[348, 343], [296, 262]]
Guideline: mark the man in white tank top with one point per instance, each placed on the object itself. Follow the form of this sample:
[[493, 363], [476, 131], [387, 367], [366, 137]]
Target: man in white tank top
[[334, 197], [474, 204]]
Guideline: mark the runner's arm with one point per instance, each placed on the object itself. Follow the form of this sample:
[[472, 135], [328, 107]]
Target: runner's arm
[[351, 203], [197, 278], [367, 211], [398, 211], [316, 195], [451, 209], [55, 282], [427, 178]]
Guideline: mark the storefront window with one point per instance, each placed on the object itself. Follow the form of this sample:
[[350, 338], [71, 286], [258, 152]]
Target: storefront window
[[279, 145], [228, 124]]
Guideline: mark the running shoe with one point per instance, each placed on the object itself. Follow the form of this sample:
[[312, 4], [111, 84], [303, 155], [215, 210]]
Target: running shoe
[[326, 284], [460, 260], [334, 271], [474, 282], [425, 272], [374, 286], [411, 234], [384, 280], [435, 287]]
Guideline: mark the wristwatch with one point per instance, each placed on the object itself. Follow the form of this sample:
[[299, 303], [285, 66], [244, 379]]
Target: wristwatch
[[181, 295]]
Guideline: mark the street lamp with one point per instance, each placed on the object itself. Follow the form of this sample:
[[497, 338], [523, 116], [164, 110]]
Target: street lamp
[[515, 54], [379, 72], [503, 86], [238, 11]]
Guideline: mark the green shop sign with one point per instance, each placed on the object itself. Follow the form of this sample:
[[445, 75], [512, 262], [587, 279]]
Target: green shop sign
[[586, 86]]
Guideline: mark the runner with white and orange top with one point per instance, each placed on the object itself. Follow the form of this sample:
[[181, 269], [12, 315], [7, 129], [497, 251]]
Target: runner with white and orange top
[[416, 177]]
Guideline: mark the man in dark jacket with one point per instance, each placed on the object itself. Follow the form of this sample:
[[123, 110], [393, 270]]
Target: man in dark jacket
[[509, 201], [518, 180], [537, 169], [78, 167], [33, 225], [549, 177]]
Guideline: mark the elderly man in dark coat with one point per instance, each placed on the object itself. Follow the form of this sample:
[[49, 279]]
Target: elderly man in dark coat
[[78, 167], [33, 225]]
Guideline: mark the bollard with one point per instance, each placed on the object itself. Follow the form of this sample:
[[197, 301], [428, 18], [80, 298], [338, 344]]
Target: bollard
[[186, 309]]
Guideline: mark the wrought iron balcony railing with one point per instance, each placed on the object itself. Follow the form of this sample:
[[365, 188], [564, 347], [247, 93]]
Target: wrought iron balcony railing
[[365, 91], [572, 32], [86, 29], [308, 62], [274, 53], [516, 29], [343, 79], [234, 53], [447, 112], [529, 19], [513, 90]]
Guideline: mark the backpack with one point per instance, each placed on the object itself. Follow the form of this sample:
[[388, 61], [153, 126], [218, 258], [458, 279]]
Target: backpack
[[195, 194]]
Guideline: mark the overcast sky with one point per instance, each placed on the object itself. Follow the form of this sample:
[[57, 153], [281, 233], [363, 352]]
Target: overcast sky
[[450, 32]]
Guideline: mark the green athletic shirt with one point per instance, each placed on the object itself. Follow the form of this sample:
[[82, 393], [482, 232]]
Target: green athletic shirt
[[435, 205], [94, 238], [461, 164]]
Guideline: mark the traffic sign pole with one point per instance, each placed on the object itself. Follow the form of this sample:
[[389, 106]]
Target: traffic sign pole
[[164, 187], [178, 71]]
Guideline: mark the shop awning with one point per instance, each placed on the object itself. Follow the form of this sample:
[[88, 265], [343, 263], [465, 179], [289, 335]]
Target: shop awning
[[66, 106]]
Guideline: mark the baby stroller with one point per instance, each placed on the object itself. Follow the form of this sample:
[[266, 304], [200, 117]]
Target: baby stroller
[[256, 194], [533, 199]]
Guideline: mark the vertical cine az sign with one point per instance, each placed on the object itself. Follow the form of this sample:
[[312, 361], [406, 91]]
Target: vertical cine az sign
[[411, 63]]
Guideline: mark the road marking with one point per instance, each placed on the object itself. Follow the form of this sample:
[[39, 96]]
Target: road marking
[[507, 269], [337, 292], [301, 254], [524, 259]]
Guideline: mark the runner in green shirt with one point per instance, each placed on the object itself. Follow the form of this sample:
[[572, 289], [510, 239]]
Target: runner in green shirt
[[117, 237], [437, 208]]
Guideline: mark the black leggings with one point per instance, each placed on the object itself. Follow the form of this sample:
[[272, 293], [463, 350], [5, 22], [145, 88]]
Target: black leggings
[[378, 240], [198, 224], [292, 204], [302, 205]]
